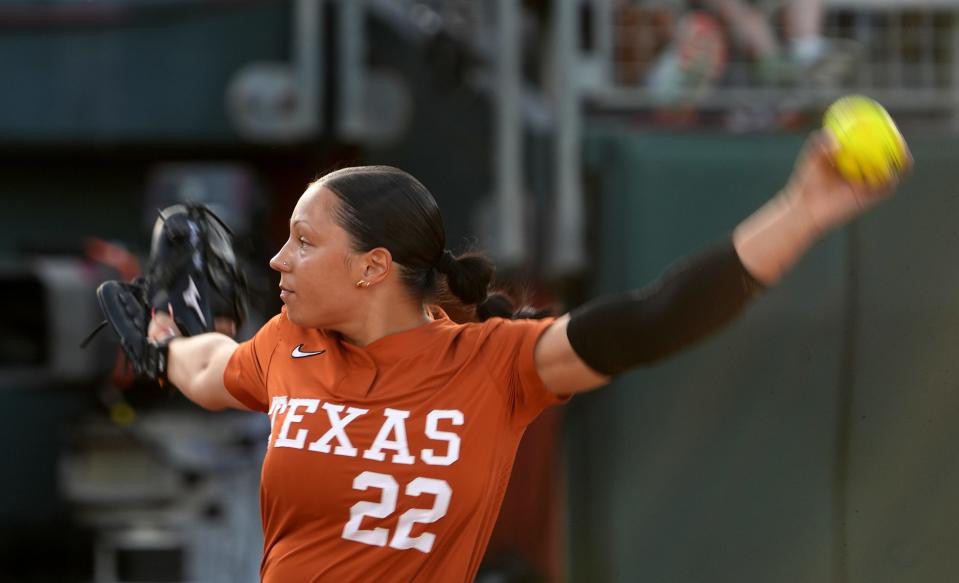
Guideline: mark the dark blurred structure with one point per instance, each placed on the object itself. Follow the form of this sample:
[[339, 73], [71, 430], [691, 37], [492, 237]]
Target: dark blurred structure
[[117, 109]]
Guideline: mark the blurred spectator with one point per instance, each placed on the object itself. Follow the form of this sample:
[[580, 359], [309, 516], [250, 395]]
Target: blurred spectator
[[643, 30], [692, 63], [807, 56], [679, 47]]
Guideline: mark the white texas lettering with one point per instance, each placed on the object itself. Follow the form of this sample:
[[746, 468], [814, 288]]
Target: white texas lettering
[[395, 423], [391, 436], [337, 424], [453, 449], [277, 406], [291, 417]]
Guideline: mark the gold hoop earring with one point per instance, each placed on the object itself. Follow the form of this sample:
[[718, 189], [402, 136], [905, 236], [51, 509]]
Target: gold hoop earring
[[362, 283]]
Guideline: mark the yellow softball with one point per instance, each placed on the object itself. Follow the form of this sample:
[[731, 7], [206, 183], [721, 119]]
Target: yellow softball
[[870, 148]]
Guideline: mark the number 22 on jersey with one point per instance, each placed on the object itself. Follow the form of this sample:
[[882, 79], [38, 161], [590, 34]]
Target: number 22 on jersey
[[387, 505]]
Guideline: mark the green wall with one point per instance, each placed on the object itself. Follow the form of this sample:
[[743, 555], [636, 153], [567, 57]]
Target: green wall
[[130, 71], [810, 441]]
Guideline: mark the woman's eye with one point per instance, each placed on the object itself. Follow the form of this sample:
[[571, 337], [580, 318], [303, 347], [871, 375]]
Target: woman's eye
[[303, 242]]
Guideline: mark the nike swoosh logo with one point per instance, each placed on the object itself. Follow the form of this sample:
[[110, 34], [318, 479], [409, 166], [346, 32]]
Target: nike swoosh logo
[[297, 353]]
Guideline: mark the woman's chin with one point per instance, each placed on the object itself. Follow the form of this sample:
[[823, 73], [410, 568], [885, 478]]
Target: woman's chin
[[295, 317]]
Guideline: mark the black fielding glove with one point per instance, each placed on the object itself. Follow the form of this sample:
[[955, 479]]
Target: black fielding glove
[[124, 306], [193, 272], [193, 275]]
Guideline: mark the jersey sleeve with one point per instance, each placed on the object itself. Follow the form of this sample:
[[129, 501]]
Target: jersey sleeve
[[245, 375], [526, 395]]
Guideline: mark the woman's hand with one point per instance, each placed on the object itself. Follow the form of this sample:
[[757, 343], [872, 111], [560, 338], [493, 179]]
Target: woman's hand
[[816, 199], [826, 198], [162, 327]]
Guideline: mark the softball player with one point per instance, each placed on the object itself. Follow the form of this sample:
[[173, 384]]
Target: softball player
[[393, 428]]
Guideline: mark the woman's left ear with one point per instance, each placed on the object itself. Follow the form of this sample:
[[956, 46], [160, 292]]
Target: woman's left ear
[[379, 262]]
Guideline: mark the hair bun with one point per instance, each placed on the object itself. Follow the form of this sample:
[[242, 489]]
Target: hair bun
[[447, 262], [467, 276]]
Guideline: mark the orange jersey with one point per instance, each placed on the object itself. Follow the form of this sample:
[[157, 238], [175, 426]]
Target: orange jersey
[[388, 462]]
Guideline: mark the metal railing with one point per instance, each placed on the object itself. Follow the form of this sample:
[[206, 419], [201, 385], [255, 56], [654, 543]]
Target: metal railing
[[903, 53]]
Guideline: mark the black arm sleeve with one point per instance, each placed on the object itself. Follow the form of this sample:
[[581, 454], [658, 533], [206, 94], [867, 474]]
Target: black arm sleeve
[[693, 298]]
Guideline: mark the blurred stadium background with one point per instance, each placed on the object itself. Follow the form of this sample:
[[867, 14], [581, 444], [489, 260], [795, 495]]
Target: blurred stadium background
[[585, 144]]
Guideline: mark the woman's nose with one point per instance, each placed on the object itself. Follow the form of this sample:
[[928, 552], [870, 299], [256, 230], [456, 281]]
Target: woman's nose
[[278, 263]]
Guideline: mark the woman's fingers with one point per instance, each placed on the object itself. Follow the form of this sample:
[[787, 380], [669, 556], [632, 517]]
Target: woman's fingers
[[161, 326]]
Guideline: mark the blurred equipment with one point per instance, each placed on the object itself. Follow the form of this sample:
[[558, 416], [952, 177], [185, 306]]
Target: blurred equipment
[[280, 103], [374, 106], [171, 495], [277, 103], [50, 308]]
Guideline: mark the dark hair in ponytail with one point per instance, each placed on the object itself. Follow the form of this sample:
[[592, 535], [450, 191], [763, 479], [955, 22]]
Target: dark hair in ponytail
[[382, 206], [468, 277]]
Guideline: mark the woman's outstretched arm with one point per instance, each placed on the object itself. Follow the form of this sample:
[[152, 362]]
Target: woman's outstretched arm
[[701, 293]]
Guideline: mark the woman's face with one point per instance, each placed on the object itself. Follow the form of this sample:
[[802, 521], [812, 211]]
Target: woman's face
[[316, 265]]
